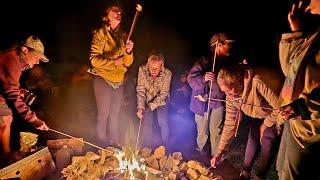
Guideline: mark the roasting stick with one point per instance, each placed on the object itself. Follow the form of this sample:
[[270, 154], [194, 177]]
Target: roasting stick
[[238, 120], [138, 136], [138, 10], [118, 174], [98, 147], [222, 100], [213, 66], [200, 98]]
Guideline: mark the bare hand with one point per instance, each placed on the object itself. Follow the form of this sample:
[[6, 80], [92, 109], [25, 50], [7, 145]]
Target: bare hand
[[296, 15], [118, 61], [215, 160], [209, 76], [140, 113], [43, 127], [129, 46], [262, 129]]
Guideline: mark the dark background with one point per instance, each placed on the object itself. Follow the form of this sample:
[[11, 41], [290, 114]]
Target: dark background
[[179, 29]]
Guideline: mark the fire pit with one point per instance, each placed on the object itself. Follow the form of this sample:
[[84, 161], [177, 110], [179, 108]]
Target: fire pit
[[129, 165]]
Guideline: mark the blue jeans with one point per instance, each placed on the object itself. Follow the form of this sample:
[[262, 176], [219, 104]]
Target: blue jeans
[[147, 134], [268, 147]]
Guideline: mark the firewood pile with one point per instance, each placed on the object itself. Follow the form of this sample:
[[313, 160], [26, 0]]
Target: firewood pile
[[90, 166], [94, 166]]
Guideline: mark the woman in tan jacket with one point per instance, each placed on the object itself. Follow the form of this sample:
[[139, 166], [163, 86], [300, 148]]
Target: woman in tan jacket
[[249, 93]]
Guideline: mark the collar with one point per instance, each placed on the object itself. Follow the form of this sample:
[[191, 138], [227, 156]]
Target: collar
[[111, 30]]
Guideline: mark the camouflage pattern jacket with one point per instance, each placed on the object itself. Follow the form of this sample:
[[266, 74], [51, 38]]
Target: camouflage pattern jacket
[[153, 92]]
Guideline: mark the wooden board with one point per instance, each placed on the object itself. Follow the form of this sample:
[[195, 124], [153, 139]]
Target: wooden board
[[35, 166]]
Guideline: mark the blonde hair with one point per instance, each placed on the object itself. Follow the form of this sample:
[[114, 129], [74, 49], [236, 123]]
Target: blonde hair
[[156, 58]]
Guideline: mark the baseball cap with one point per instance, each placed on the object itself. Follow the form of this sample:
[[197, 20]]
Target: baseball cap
[[220, 37], [35, 43]]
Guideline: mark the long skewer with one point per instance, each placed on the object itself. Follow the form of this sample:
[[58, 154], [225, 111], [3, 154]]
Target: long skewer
[[213, 66], [238, 120], [222, 100], [238, 112], [138, 136], [98, 147], [138, 10]]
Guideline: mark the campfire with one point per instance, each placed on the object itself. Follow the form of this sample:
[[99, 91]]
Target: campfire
[[128, 164], [113, 163]]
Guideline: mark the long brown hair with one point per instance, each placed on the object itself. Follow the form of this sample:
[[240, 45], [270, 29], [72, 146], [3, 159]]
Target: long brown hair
[[105, 13]]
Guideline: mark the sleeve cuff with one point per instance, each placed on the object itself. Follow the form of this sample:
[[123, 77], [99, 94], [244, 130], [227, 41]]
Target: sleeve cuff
[[267, 122], [36, 122], [152, 106]]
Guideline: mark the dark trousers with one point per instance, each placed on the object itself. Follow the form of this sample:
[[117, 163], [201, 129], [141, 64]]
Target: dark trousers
[[295, 162], [147, 132], [108, 102], [268, 147]]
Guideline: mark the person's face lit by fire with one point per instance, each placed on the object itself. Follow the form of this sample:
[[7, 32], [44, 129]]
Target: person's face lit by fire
[[224, 48], [231, 83], [155, 68], [113, 16], [33, 57], [234, 90]]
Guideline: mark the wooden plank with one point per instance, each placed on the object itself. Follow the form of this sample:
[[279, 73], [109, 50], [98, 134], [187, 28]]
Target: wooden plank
[[34, 166]]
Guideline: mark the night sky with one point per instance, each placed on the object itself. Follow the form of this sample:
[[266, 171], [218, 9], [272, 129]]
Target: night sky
[[180, 30]]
